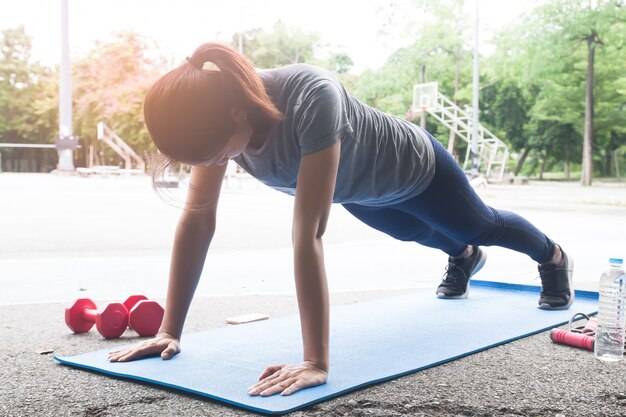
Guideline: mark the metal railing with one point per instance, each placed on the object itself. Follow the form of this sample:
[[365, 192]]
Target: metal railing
[[120, 147], [493, 153], [27, 145]]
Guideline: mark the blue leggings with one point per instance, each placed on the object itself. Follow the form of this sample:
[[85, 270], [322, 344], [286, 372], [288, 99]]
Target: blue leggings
[[449, 215]]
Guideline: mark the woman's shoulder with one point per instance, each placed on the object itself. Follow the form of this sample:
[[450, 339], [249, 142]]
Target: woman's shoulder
[[295, 84], [300, 73]]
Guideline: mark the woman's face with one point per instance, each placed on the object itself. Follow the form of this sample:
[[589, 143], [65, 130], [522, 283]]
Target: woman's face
[[235, 145]]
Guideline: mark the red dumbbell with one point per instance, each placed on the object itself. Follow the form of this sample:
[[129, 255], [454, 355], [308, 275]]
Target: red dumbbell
[[144, 316], [83, 314]]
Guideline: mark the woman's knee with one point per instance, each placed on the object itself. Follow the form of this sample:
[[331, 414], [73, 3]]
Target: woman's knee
[[414, 235], [487, 232]]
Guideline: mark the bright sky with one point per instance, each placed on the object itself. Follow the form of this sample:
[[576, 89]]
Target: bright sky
[[180, 25]]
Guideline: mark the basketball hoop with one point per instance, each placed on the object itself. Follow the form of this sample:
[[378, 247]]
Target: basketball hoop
[[424, 97]]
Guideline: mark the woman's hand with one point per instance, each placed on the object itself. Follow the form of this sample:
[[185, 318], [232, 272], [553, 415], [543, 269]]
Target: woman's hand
[[163, 343], [288, 379]]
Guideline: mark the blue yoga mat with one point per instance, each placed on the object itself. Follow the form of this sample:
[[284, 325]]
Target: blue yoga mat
[[394, 337]]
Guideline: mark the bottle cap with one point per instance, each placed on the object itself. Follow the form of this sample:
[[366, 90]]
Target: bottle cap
[[618, 261]]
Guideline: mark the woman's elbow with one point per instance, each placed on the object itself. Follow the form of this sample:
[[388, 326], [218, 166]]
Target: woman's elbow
[[197, 223], [306, 235]]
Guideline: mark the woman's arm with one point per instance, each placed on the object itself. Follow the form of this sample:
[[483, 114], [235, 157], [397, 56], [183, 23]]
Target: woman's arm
[[193, 236], [314, 194]]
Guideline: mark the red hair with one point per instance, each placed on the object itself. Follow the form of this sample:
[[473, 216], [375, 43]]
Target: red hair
[[188, 110]]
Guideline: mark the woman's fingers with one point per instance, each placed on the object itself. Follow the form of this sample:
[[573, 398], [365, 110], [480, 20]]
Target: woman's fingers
[[270, 370], [278, 387], [167, 349], [292, 388], [284, 384], [267, 383], [128, 354], [289, 379], [114, 356], [172, 349]]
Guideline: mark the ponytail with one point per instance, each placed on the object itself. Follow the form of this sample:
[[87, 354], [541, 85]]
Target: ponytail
[[241, 79]]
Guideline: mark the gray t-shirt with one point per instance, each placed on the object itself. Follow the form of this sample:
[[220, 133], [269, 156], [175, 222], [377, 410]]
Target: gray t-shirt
[[384, 159]]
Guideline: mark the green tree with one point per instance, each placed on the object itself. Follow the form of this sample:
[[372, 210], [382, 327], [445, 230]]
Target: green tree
[[610, 94], [546, 56], [505, 109], [28, 98], [592, 24], [40, 120], [110, 83], [286, 45], [438, 51], [282, 46], [340, 63], [16, 81]]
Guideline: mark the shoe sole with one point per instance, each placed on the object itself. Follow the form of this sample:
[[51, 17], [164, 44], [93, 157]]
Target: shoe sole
[[570, 279], [478, 267]]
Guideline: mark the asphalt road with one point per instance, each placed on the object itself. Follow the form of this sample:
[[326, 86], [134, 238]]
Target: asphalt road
[[529, 377], [65, 237]]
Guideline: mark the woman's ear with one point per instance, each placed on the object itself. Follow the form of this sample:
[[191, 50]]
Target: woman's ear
[[238, 115]]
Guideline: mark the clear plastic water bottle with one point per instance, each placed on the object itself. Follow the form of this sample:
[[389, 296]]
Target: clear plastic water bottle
[[609, 344]]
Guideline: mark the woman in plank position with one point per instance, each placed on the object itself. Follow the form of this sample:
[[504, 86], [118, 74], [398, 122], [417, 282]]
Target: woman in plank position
[[297, 130]]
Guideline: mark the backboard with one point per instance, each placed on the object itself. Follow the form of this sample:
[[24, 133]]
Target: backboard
[[424, 97]]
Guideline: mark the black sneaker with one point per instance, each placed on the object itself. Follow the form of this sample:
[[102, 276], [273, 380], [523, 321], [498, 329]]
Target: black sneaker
[[556, 284], [458, 273]]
